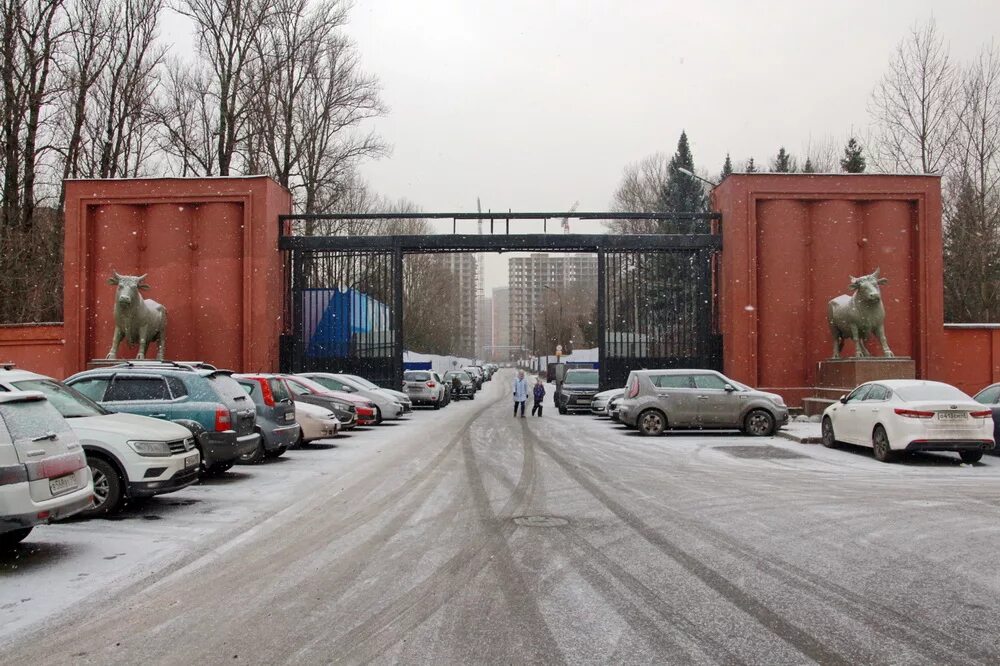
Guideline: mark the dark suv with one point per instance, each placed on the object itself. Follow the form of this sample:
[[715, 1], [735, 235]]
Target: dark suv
[[578, 390], [207, 401]]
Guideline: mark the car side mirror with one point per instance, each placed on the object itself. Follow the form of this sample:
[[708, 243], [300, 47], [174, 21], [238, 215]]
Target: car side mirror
[[843, 399], [729, 388]]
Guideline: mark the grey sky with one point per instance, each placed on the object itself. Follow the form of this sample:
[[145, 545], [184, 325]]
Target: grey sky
[[536, 104]]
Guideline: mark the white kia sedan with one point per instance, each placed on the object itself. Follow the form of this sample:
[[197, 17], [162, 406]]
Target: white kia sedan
[[910, 415]]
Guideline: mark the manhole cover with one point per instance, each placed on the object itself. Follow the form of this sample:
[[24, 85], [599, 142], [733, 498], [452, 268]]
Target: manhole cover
[[760, 452], [540, 521]]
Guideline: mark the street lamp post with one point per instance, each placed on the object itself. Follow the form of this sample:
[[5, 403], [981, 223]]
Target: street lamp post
[[694, 175]]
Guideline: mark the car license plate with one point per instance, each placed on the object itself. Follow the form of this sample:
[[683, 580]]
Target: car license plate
[[290, 416], [190, 461], [951, 416], [62, 484]]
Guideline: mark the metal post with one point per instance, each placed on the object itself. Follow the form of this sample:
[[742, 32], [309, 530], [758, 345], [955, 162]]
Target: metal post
[[397, 314], [602, 322]]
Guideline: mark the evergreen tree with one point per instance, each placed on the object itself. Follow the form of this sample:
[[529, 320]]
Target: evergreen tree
[[682, 193], [727, 166], [853, 161], [750, 167], [971, 256], [783, 162], [808, 167]]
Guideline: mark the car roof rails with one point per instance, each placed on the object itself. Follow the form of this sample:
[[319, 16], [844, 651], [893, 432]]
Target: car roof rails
[[181, 365], [8, 365]]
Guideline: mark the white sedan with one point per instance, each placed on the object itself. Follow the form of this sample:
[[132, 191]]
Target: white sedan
[[315, 422], [910, 415]]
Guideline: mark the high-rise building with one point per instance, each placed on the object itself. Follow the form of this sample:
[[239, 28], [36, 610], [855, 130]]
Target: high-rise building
[[464, 269], [529, 278], [501, 324], [484, 328]]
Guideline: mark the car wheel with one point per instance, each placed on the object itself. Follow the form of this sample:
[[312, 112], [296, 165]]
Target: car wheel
[[300, 440], [437, 405], [108, 490], [651, 423], [378, 416], [759, 423], [829, 439], [14, 537], [278, 452], [218, 469], [880, 445], [563, 410], [256, 455], [971, 457]]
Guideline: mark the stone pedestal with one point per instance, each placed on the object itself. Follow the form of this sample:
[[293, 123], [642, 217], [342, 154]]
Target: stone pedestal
[[834, 378], [849, 372]]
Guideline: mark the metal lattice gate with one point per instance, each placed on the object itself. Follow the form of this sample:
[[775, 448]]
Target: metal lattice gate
[[655, 293]]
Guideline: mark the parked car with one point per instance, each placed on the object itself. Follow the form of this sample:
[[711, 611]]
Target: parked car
[[898, 415], [43, 470], [445, 389], [466, 387], [599, 405], [275, 416], [477, 375], [578, 390], [613, 406], [314, 422], [656, 400], [991, 396], [425, 388], [387, 406], [306, 390], [399, 396], [205, 400], [129, 456]]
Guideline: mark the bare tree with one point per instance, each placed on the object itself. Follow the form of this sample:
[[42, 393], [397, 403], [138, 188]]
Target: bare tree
[[30, 38], [913, 106], [229, 33], [641, 191]]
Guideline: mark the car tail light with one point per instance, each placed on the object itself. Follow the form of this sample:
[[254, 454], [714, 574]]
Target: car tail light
[[914, 413], [223, 420], [265, 392], [633, 389], [985, 414], [431, 385]]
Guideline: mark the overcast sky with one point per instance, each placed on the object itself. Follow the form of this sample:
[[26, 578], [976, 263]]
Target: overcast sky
[[533, 105]]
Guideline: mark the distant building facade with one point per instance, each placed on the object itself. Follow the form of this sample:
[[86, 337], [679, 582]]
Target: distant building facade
[[501, 324], [530, 277], [465, 271]]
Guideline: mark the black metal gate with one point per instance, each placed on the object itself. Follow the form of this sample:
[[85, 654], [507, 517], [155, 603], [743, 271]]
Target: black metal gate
[[655, 292]]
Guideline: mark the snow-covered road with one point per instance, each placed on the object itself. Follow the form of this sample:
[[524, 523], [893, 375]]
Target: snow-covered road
[[465, 536]]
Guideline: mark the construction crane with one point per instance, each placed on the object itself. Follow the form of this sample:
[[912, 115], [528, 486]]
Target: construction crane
[[565, 220]]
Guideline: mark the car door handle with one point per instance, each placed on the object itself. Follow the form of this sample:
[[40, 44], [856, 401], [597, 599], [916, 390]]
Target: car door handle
[[703, 397], [159, 416]]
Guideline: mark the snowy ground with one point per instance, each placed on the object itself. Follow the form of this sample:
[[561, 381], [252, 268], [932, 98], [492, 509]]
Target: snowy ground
[[466, 536]]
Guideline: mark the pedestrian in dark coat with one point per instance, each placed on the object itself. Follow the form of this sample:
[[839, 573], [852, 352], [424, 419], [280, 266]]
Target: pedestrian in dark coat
[[538, 393]]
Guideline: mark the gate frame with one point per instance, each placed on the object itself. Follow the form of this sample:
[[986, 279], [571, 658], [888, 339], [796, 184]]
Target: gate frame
[[707, 244]]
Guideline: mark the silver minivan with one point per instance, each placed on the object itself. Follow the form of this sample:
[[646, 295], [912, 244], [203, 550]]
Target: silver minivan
[[43, 470], [656, 400]]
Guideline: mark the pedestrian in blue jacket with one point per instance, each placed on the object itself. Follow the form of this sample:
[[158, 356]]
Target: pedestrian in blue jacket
[[539, 394]]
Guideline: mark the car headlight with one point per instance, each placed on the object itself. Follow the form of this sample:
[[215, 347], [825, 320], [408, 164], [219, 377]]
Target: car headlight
[[189, 443], [330, 416], [777, 399], [149, 449]]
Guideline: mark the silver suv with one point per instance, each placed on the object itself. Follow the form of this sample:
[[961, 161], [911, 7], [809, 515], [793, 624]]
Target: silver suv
[[659, 399]]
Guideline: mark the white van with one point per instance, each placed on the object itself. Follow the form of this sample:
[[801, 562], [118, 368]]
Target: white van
[[43, 470]]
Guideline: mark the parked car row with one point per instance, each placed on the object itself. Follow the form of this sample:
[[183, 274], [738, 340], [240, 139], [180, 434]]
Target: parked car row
[[427, 387], [112, 434], [892, 417]]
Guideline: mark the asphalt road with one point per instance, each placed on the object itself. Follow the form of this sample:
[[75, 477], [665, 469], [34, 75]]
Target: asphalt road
[[469, 536]]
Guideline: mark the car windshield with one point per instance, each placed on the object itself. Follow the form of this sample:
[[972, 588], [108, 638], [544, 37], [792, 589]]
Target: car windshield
[[309, 384], [930, 391], [69, 403], [364, 383], [586, 377], [460, 375]]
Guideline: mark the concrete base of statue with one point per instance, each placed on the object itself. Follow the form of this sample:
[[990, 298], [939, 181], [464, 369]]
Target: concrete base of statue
[[835, 377]]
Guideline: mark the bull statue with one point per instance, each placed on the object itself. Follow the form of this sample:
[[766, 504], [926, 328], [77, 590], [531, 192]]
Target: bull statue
[[859, 315], [137, 320]]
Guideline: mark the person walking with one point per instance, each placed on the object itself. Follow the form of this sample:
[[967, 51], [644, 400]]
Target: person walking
[[520, 392], [539, 394]]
